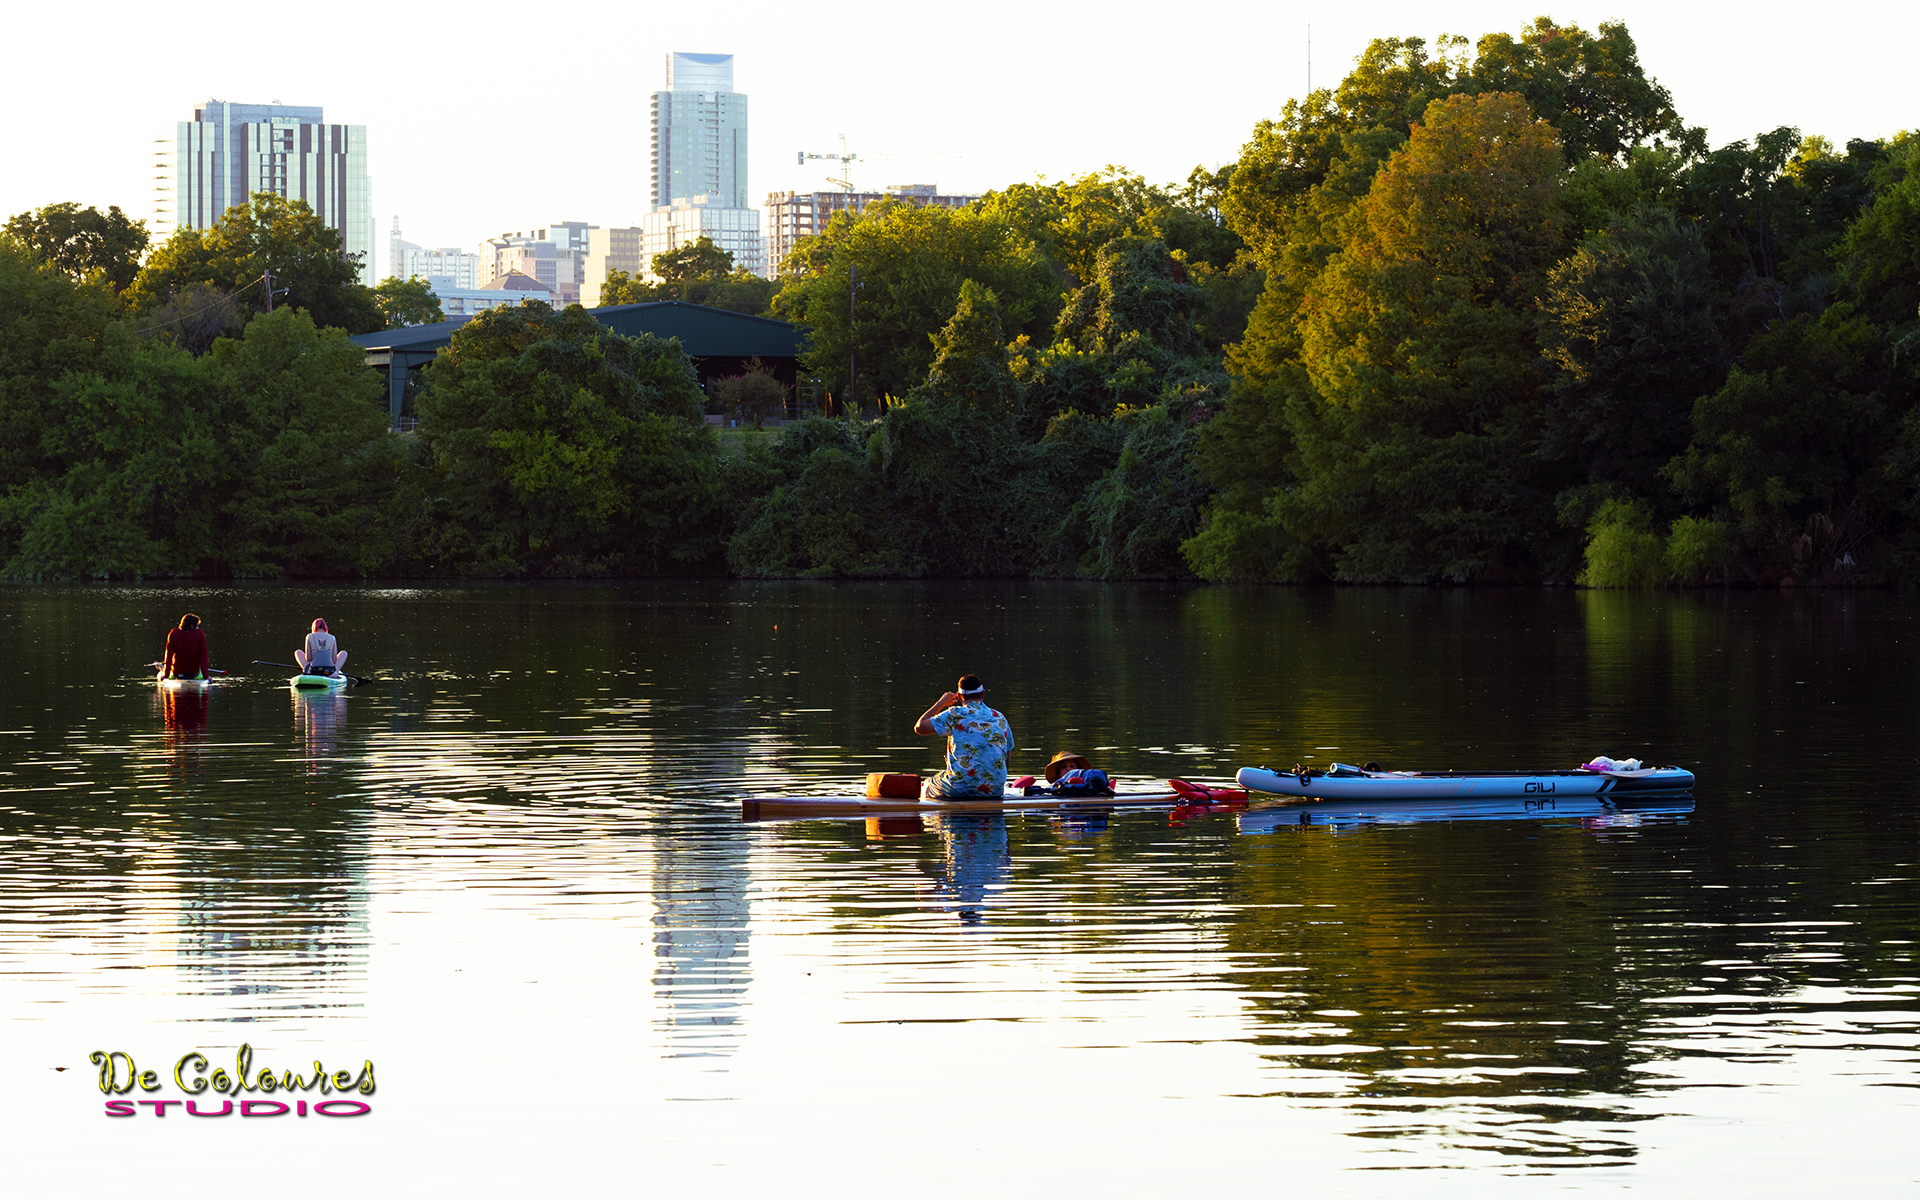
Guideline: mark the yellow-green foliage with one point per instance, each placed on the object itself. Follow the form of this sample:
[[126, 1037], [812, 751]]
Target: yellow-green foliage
[[1623, 549]]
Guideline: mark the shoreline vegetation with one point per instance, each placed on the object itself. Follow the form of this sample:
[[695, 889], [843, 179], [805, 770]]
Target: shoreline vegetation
[[1480, 313]]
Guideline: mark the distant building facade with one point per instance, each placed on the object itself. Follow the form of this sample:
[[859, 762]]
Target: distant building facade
[[511, 288], [230, 151], [795, 215], [556, 256], [609, 250], [735, 230], [464, 302], [440, 266], [699, 166]]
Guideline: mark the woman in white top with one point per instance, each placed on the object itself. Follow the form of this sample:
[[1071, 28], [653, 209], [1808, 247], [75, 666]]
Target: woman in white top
[[322, 655]]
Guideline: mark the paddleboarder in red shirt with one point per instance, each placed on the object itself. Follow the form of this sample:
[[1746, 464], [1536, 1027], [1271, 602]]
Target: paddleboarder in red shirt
[[186, 656]]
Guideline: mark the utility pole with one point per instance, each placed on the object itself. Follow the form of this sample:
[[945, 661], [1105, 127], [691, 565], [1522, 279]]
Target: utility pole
[[853, 354], [269, 279]]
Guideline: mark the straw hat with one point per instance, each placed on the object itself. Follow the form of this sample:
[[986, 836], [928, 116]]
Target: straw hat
[[1063, 762]]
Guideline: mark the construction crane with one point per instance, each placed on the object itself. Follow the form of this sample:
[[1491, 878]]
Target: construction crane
[[844, 181]]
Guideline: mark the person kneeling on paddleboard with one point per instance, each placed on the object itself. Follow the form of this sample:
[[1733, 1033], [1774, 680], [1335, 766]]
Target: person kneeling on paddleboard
[[1070, 774], [186, 656], [978, 743], [322, 655]]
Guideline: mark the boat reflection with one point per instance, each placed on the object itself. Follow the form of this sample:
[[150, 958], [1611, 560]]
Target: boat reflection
[[1079, 824], [907, 825], [1598, 812]]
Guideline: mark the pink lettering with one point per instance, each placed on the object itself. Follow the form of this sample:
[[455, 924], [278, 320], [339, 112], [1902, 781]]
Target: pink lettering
[[248, 1107], [120, 1108], [355, 1108], [159, 1106], [226, 1106]]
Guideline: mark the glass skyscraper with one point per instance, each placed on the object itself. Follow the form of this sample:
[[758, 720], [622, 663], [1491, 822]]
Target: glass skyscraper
[[700, 165], [700, 134], [230, 151]]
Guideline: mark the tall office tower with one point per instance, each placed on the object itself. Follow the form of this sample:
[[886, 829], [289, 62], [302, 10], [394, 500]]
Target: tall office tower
[[700, 133], [700, 165], [230, 151]]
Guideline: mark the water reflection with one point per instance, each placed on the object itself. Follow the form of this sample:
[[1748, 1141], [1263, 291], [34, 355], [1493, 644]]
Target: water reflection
[[1534, 992], [974, 858], [701, 967], [318, 717]]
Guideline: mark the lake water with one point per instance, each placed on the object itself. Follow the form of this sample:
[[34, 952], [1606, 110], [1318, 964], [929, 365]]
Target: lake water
[[511, 873]]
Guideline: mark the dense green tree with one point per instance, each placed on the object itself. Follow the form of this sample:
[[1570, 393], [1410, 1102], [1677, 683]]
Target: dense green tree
[[305, 439], [1630, 323], [1138, 301], [911, 263], [971, 366], [194, 317], [269, 455], [407, 302], [130, 470], [825, 515], [740, 291], [82, 241], [269, 232], [51, 326], [1142, 511], [697, 273], [1418, 342], [1786, 450], [1880, 253], [554, 445], [698, 259]]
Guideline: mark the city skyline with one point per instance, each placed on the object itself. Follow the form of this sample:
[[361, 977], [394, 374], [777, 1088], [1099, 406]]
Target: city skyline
[[1059, 101]]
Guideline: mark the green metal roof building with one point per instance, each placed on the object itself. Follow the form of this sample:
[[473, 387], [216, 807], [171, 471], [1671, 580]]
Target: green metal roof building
[[719, 342]]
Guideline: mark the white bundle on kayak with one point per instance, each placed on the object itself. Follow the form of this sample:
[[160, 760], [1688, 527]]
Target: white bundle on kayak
[[1602, 763]]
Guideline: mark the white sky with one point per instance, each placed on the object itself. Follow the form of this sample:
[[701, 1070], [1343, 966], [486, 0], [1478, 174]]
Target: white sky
[[487, 117]]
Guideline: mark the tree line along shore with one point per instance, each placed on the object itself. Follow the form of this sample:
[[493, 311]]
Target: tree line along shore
[[1485, 312]]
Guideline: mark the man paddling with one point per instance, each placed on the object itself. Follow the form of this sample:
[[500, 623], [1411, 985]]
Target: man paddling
[[978, 742]]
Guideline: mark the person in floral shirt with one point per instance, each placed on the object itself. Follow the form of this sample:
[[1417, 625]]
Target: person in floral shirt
[[978, 742]]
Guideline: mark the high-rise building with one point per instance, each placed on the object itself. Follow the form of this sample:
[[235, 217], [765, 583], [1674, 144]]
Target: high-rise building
[[699, 183], [700, 133], [795, 215], [230, 151]]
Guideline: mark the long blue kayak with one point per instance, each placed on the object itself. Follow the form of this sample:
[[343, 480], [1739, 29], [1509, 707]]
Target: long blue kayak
[[1348, 783], [1631, 809]]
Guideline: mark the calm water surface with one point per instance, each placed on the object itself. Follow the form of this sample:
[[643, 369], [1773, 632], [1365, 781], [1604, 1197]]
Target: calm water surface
[[512, 872]]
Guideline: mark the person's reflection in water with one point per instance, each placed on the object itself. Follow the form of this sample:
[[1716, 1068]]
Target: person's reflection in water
[[317, 717], [184, 714], [975, 859]]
